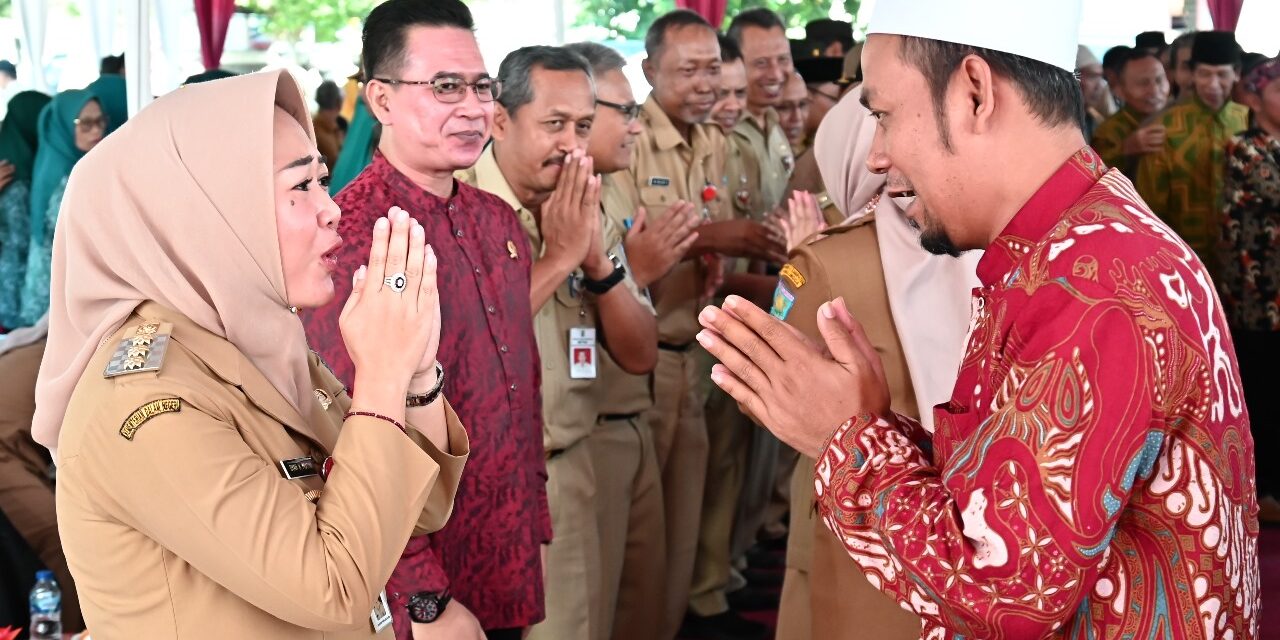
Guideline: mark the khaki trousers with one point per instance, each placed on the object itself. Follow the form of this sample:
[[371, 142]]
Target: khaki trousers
[[573, 557], [629, 512], [680, 440], [729, 434]]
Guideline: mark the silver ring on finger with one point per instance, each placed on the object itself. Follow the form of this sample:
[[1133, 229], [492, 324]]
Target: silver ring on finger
[[396, 282]]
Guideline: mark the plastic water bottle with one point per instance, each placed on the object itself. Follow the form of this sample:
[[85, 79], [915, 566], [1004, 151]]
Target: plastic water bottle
[[46, 608]]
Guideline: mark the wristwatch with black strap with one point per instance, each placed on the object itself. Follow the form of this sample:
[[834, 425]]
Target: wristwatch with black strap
[[427, 606], [601, 287]]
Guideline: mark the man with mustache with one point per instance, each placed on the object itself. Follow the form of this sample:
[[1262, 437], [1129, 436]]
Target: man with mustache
[[427, 86], [1183, 180], [1096, 430], [582, 299], [1123, 139]]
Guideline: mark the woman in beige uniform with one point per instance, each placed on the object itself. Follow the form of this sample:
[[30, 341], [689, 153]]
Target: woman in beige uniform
[[214, 479]]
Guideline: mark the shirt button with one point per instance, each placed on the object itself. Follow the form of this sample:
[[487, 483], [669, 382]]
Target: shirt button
[[451, 206], [491, 309], [504, 348], [457, 232], [477, 270], [513, 386]]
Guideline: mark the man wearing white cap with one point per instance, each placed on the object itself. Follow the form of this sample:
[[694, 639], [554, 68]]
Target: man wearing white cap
[[1092, 475]]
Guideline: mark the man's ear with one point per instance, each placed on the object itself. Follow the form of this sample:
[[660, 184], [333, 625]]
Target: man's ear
[[501, 122], [377, 97]]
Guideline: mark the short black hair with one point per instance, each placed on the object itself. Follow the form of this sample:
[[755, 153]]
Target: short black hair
[[385, 29], [1136, 55], [1115, 57], [112, 65], [328, 96], [656, 37], [1052, 94], [517, 68], [602, 59], [8, 69], [760, 17], [729, 51]]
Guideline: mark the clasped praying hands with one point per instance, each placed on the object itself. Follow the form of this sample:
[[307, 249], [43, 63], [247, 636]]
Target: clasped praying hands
[[799, 390]]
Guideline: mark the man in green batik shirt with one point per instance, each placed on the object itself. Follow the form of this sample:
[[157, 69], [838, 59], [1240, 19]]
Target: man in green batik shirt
[[1135, 130], [1183, 182]]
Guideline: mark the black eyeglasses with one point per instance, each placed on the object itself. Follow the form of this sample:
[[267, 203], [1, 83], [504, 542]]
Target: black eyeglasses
[[451, 90], [630, 111]]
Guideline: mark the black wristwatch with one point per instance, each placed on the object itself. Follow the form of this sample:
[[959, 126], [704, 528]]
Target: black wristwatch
[[601, 287], [425, 606]]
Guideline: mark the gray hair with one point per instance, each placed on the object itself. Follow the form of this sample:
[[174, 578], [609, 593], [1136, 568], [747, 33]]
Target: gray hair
[[516, 68], [601, 58]]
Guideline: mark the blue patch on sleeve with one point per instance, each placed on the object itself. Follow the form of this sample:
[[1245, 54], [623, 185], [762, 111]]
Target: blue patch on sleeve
[[783, 300]]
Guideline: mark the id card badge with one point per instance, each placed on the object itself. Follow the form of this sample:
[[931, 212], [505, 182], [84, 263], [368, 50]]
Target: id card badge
[[380, 617], [582, 353]]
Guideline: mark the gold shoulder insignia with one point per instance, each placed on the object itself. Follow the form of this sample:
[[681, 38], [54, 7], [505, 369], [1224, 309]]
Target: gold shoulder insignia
[[146, 412], [142, 352], [792, 275]]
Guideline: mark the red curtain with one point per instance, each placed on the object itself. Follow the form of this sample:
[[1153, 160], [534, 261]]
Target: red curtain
[[712, 10], [1225, 13], [213, 16]]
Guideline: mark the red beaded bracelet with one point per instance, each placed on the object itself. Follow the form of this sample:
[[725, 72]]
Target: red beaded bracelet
[[370, 414]]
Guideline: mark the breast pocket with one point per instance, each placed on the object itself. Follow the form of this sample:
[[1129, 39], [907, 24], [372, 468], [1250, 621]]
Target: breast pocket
[[656, 199]]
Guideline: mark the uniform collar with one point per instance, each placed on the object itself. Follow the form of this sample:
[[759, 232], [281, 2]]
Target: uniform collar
[[748, 123], [489, 178], [1038, 216], [226, 361], [665, 134]]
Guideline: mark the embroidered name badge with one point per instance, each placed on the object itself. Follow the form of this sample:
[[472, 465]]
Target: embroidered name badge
[[146, 412], [792, 275], [783, 300], [295, 468], [659, 181]]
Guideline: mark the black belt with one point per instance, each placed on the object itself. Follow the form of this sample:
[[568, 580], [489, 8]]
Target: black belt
[[678, 348], [619, 417]]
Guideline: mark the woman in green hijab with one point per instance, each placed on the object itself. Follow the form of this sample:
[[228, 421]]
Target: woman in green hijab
[[70, 125], [112, 96], [357, 150], [18, 143]]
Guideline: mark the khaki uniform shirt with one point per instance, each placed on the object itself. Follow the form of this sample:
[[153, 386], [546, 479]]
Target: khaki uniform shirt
[[621, 393], [178, 516], [666, 168], [569, 405], [846, 263], [767, 165]]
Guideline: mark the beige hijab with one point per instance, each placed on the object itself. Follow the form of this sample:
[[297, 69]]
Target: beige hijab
[[929, 295], [176, 207]]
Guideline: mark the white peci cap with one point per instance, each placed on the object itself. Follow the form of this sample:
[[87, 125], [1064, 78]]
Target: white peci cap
[[1044, 30]]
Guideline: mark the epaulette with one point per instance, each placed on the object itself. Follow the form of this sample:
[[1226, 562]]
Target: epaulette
[[142, 349], [848, 226]]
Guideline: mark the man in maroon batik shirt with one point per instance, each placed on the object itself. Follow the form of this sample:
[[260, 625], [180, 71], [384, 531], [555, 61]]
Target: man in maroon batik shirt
[[487, 557]]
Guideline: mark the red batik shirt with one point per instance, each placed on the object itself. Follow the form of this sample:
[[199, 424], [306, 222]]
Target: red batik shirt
[[1092, 475], [488, 554]]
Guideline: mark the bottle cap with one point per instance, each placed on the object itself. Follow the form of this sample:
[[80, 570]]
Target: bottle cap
[[44, 574]]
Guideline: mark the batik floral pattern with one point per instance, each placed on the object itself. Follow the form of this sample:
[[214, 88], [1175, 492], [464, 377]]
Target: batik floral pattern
[[1092, 475]]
